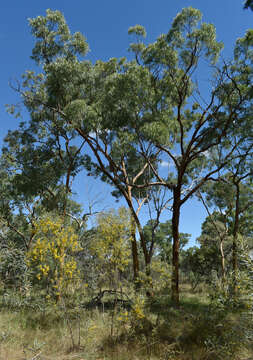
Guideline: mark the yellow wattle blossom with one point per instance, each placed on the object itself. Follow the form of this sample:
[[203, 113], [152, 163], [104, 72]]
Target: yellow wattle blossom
[[123, 316], [138, 308], [52, 254], [113, 240]]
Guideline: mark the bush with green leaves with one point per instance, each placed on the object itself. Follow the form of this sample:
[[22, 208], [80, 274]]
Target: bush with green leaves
[[13, 268]]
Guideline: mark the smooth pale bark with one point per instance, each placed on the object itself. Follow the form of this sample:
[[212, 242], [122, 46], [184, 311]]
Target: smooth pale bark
[[134, 248], [223, 270], [222, 261]]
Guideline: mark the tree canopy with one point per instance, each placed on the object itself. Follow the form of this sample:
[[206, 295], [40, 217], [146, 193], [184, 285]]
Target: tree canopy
[[120, 119]]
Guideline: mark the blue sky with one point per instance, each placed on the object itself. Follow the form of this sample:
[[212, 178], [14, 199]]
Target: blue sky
[[105, 25]]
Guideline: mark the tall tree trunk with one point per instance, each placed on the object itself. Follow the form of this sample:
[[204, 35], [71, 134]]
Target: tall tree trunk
[[222, 261], [140, 231], [149, 291], [134, 251], [147, 255], [175, 253]]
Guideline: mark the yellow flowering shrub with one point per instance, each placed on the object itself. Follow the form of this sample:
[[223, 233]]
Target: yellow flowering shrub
[[138, 308], [162, 274], [111, 244], [123, 316], [51, 256]]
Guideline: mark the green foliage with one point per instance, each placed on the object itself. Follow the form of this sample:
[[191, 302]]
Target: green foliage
[[13, 269], [54, 39], [185, 36], [248, 4], [133, 114], [138, 30], [201, 262], [161, 235], [120, 120]]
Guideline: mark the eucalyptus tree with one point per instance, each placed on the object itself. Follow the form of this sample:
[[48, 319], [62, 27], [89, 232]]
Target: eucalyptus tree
[[232, 192], [215, 234], [198, 263], [160, 235], [23, 201], [36, 177], [34, 181], [131, 115], [232, 195], [74, 100], [183, 124]]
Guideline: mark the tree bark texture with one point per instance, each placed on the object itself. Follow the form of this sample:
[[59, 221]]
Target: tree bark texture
[[175, 251]]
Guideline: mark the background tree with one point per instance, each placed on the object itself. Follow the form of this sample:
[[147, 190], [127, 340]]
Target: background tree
[[35, 179], [198, 263], [232, 196], [139, 110], [70, 100], [182, 125], [162, 238], [215, 234]]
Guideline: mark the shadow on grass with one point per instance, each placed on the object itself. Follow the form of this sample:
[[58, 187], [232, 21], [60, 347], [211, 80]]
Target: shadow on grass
[[163, 306]]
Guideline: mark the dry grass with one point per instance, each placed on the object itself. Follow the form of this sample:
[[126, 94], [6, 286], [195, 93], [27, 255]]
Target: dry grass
[[163, 334]]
